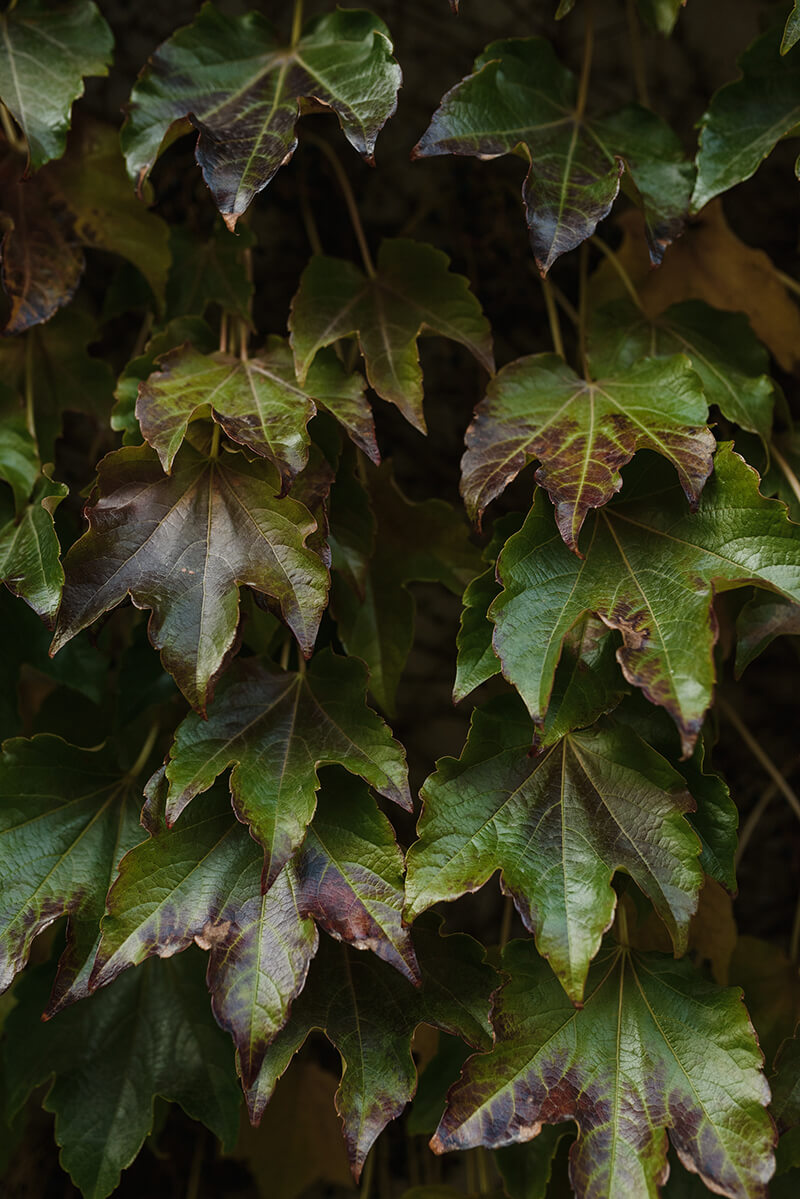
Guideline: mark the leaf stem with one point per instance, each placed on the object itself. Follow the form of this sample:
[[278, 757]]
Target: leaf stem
[[623, 934], [586, 66], [794, 943], [483, 1171], [144, 753], [582, 306], [552, 316], [30, 408], [349, 199], [309, 221], [366, 1178], [215, 440], [505, 924], [788, 281], [223, 333], [791, 477], [616, 262], [637, 55], [788, 792], [285, 648], [297, 22], [15, 140]]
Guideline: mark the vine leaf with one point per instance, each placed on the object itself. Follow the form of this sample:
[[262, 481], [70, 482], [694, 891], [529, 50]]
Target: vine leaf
[[241, 89], [256, 401], [661, 15], [109, 1056], [557, 826], [200, 883], [30, 565], [69, 814], [276, 728], [696, 1072], [521, 96], [425, 542], [182, 330], [476, 660], [63, 46], [730, 362], [761, 620], [369, 1014], [650, 571], [413, 291], [182, 545], [209, 271], [582, 431], [746, 119], [791, 32]]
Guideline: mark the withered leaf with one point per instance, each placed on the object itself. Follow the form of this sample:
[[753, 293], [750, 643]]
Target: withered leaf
[[412, 292], [67, 815], [582, 431], [256, 400], [241, 89], [46, 52], [655, 1047], [557, 826], [650, 570], [275, 728], [200, 882], [182, 545], [521, 96], [369, 1014], [107, 1058]]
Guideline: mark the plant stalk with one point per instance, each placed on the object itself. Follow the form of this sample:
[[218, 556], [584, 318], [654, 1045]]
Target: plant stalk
[[349, 199], [297, 22]]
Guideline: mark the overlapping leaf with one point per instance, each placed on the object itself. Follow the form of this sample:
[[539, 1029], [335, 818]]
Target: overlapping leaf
[[67, 815], [29, 551], [369, 1013], [109, 1056], [521, 95], [650, 569], [256, 400], [557, 826], [209, 271], [425, 542], [476, 660], [791, 32], [583, 431], [412, 291], [760, 621], [241, 88], [725, 354], [276, 728], [46, 52], [655, 1047], [183, 545], [746, 119]]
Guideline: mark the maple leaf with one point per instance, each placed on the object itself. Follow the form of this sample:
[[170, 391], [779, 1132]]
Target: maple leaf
[[276, 727], [256, 401], [411, 292], [242, 89], [730, 362], [68, 814], [746, 119], [29, 551], [521, 95], [426, 542], [108, 1057], [369, 1014], [183, 545], [654, 1047], [582, 431], [557, 826], [63, 45], [650, 570]]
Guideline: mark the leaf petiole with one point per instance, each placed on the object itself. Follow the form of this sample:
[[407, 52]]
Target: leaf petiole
[[349, 199], [297, 22]]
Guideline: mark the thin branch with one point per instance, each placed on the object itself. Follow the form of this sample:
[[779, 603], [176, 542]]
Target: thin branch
[[586, 67], [349, 199], [791, 477], [616, 262], [779, 779], [552, 316], [637, 53]]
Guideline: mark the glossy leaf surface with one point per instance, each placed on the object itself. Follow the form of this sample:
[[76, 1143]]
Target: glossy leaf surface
[[183, 545], [655, 1047], [241, 89], [29, 549]]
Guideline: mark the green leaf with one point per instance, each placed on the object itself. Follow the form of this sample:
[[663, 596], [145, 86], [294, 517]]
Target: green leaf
[[654, 1047], [791, 32], [29, 551], [761, 620], [650, 570], [413, 291], [182, 545], [661, 15], [526, 1169], [350, 872], [276, 728], [426, 542], [746, 118], [256, 400], [201, 882], [369, 1014], [726, 355], [242, 90], [209, 271], [583, 431], [45, 55], [19, 459], [477, 662], [353, 527], [557, 825], [109, 1056], [67, 815], [521, 96]]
